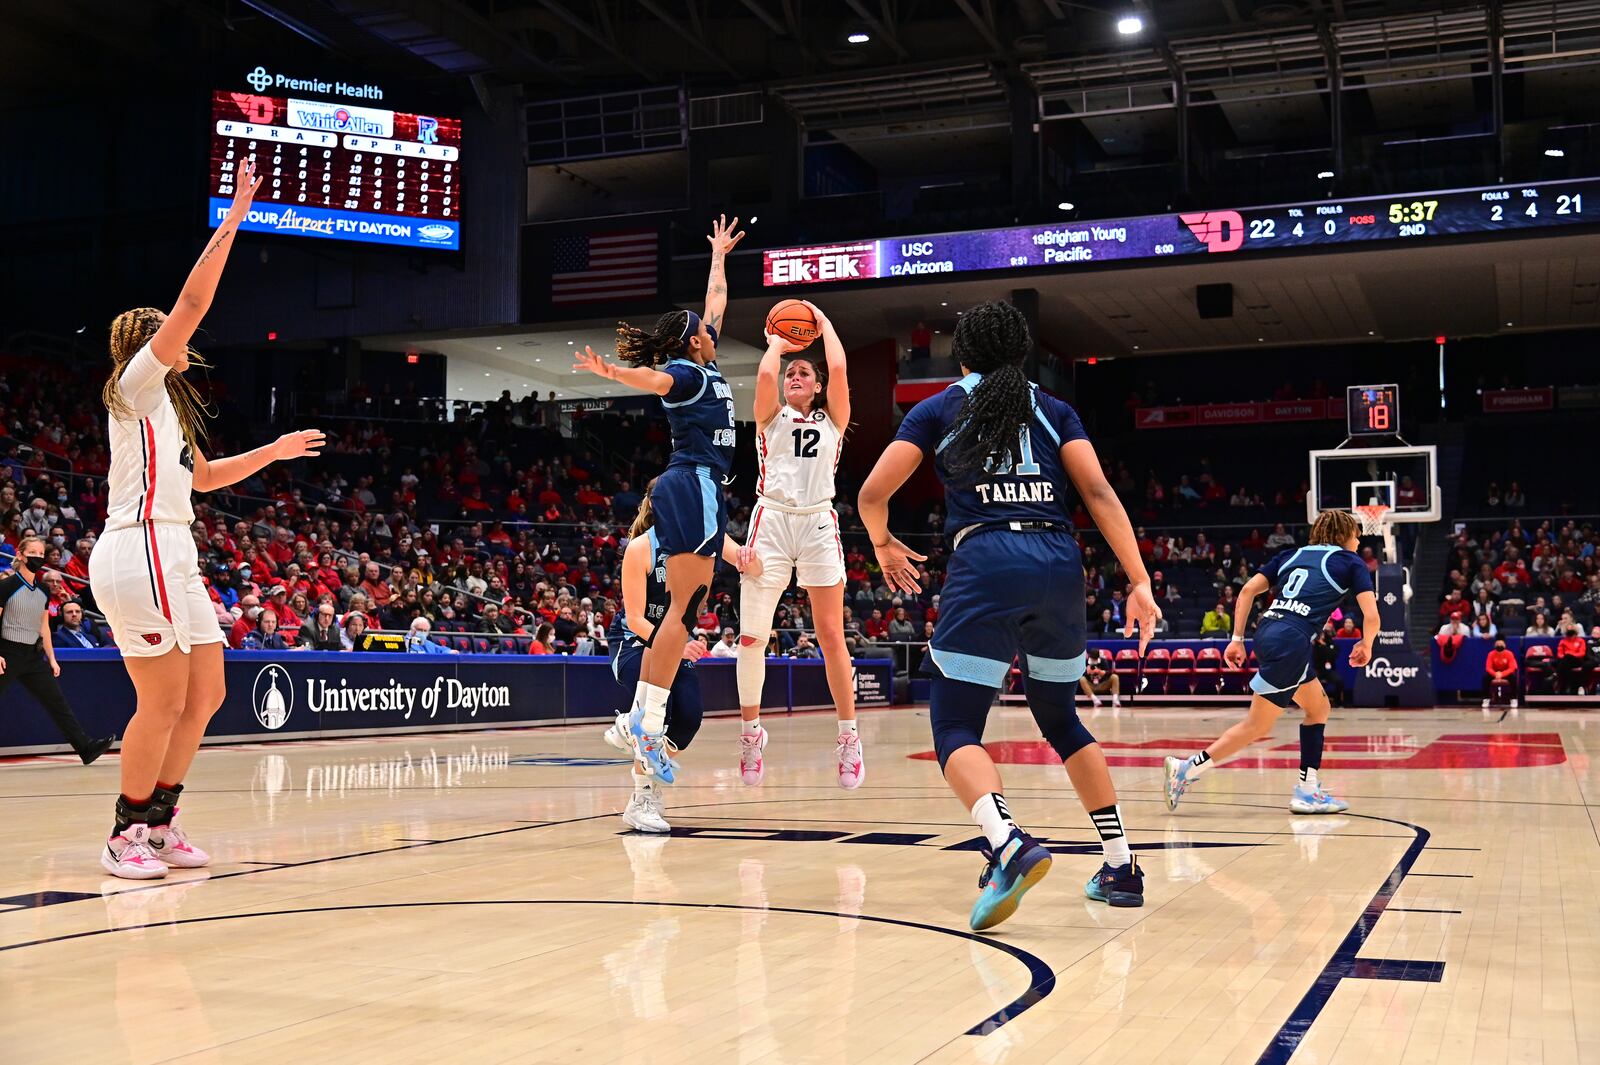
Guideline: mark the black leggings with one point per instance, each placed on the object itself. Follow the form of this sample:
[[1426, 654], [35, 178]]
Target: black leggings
[[27, 665]]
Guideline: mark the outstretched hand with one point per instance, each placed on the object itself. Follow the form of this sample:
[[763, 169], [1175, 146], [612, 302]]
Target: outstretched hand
[[588, 361], [895, 559], [302, 443], [1141, 608], [723, 237], [244, 190]]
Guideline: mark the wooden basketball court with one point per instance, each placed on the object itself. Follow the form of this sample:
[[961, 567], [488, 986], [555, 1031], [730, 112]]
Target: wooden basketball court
[[473, 898]]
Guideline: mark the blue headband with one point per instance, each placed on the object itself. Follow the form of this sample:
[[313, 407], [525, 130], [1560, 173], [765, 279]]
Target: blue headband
[[691, 326]]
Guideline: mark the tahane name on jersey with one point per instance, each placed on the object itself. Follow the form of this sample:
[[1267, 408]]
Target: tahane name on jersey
[[1016, 492]]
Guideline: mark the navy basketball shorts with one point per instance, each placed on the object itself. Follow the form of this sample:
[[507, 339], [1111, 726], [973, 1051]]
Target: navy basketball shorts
[[690, 512], [684, 707], [1009, 594], [1283, 663]]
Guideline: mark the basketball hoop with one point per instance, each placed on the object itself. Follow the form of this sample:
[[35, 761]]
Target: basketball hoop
[[1374, 518]]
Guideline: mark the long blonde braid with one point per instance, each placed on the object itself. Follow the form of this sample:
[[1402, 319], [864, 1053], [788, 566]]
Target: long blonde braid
[[132, 330]]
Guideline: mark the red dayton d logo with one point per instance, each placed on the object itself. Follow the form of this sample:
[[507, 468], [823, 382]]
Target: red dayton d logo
[[1217, 230]]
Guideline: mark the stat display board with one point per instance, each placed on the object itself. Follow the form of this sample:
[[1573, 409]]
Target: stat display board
[[1194, 234], [1372, 410], [339, 171]]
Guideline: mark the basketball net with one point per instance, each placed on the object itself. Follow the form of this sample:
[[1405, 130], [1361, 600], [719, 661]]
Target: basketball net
[[1374, 518]]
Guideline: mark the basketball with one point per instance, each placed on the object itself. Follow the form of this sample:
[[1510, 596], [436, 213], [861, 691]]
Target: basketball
[[793, 321]]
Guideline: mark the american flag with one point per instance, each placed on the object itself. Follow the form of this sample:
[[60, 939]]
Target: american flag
[[603, 266]]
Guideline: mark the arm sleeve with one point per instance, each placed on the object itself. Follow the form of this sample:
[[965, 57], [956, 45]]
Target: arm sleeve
[[143, 382], [687, 382], [921, 427], [1358, 578]]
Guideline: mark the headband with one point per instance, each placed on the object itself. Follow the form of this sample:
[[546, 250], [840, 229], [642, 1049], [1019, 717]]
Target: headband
[[691, 326]]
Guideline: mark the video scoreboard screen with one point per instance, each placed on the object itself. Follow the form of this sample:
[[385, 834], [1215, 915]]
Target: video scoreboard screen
[[339, 171], [1285, 228]]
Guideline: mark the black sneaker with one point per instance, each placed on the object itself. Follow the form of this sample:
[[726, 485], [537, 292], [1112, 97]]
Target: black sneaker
[[1122, 886], [96, 749]]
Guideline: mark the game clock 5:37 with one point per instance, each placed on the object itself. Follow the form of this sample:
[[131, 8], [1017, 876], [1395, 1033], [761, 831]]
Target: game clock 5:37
[[1372, 410]]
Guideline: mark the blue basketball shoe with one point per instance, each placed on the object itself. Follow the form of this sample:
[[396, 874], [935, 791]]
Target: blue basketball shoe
[[1019, 864], [1176, 783], [650, 748], [1120, 886], [1314, 800]]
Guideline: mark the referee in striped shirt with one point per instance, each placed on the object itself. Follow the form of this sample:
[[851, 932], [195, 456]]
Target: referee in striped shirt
[[26, 654]]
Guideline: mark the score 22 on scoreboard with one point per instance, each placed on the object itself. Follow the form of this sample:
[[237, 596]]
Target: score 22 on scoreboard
[[1192, 233], [339, 171]]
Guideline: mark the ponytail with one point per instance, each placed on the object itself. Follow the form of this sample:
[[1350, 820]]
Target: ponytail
[[665, 341], [991, 339], [646, 517]]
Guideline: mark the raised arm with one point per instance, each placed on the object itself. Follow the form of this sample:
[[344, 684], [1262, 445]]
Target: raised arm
[[1078, 458], [212, 474], [768, 384], [638, 378], [722, 240], [172, 339], [838, 373]]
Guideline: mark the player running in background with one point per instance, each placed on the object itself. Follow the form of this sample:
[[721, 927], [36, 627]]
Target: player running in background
[[644, 605], [1006, 453], [677, 360], [144, 570], [1307, 583], [795, 530]]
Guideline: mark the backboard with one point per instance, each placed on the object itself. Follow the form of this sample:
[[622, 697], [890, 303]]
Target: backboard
[[1404, 478]]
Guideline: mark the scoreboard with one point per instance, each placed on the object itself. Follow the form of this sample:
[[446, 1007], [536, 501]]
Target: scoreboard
[[1195, 234], [339, 171], [1372, 410]]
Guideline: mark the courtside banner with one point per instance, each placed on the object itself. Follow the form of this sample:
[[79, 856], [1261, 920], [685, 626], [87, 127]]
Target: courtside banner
[[1515, 400], [297, 694]]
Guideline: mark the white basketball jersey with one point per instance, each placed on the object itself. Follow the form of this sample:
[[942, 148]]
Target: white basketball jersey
[[799, 454], [152, 466]]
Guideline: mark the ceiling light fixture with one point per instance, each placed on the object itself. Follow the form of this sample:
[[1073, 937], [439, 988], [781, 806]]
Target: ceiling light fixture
[[1325, 174], [1128, 25], [1555, 153], [859, 37], [1066, 205]]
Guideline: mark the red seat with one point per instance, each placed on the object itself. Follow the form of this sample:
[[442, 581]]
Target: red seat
[[1157, 662], [1126, 663], [1538, 669], [1180, 674], [1208, 671]]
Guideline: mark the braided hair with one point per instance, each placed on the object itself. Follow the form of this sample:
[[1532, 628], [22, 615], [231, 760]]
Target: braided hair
[[131, 331], [637, 347], [991, 339]]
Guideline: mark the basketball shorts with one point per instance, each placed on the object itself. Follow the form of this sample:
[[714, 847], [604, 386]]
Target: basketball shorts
[[1283, 662], [690, 512], [1009, 594], [805, 544], [684, 707], [146, 578]]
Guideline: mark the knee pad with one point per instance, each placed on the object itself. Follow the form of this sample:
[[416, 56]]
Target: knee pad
[[1055, 711], [958, 711]]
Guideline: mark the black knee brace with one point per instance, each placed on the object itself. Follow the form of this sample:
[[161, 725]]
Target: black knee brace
[[1055, 711], [958, 711], [692, 614]]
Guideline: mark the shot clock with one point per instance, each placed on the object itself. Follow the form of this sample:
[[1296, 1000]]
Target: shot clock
[[1372, 410]]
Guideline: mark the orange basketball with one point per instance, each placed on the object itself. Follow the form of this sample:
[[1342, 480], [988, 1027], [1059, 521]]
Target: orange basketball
[[793, 321]]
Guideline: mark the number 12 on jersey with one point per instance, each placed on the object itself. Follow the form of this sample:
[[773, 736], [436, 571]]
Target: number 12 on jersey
[[805, 442]]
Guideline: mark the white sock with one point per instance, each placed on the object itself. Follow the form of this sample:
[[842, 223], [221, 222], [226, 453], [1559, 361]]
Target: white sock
[[1198, 764], [1116, 700], [847, 726], [751, 727], [1113, 841], [1308, 777], [641, 781], [638, 695], [992, 816], [655, 708]]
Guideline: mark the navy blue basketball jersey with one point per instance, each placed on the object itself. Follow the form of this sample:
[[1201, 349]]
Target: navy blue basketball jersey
[[1034, 488], [700, 411], [655, 597], [1309, 582]]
